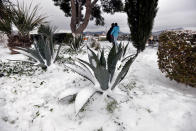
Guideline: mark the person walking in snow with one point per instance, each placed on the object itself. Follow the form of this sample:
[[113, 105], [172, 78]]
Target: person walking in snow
[[109, 37], [115, 32]]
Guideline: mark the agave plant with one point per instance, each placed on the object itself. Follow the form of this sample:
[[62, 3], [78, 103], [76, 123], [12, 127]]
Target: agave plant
[[76, 43], [105, 75], [43, 53], [46, 30]]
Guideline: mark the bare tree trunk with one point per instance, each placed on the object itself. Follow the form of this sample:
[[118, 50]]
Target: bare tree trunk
[[73, 18], [81, 26]]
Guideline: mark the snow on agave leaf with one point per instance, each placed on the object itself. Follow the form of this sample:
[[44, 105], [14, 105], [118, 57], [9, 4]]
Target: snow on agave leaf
[[30, 53], [82, 97], [82, 71], [42, 53], [68, 92]]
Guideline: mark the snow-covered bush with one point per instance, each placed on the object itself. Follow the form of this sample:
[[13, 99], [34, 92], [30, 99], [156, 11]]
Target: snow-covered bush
[[17, 68], [177, 56], [105, 75]]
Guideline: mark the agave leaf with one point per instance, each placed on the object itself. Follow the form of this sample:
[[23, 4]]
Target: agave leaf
[[82, 97], [113, 58], [85, 67], [102, 76], [41, 45], [30, 53], [51, 44], [57, 53], [125, 49], [47, 53], [81, 71], [93, 59], [39, 50], [89, 65], [68, 92], [102, 59], [123, 72]]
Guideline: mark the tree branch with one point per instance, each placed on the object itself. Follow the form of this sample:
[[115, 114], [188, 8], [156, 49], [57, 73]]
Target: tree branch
[[86, 18], [94, 2]]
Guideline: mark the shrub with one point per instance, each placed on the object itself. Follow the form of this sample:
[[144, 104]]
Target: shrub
[[17, 68], [177, 56], [105, 75]]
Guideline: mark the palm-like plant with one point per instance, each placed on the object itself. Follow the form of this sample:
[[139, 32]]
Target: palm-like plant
[[26, 18], [105, 75]]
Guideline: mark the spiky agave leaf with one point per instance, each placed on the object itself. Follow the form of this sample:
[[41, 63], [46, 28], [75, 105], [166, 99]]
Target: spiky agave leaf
[[32, 54], [113, 57], [93, 58], [103, 76], [83, 71], [68, 92], [123, 72], [102, 59], [82, 97]]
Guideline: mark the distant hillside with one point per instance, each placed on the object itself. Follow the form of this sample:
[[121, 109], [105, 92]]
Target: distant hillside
[[101, 32], [157, 33]]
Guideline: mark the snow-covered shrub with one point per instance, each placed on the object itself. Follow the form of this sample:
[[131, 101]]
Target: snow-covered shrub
[[104, 74], [17, 68], [177, 56], [43, 53]]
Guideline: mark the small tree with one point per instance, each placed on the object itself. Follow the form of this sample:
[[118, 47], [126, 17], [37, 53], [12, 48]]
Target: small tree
[[79, 21], [25, 18], [141, 14]]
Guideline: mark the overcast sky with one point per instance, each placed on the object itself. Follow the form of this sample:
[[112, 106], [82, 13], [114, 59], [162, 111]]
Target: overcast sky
[[171, 14]]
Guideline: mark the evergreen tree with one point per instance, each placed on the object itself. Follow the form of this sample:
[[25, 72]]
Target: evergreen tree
[[141, 14], [79, 21]]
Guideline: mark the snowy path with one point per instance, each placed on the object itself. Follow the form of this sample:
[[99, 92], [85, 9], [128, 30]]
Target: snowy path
[[30, 103]]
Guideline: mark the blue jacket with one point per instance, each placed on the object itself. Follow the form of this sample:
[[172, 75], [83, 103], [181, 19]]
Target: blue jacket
[[115, 31]]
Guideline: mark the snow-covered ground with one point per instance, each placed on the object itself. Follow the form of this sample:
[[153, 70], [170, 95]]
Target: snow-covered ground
[[152, 103]]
